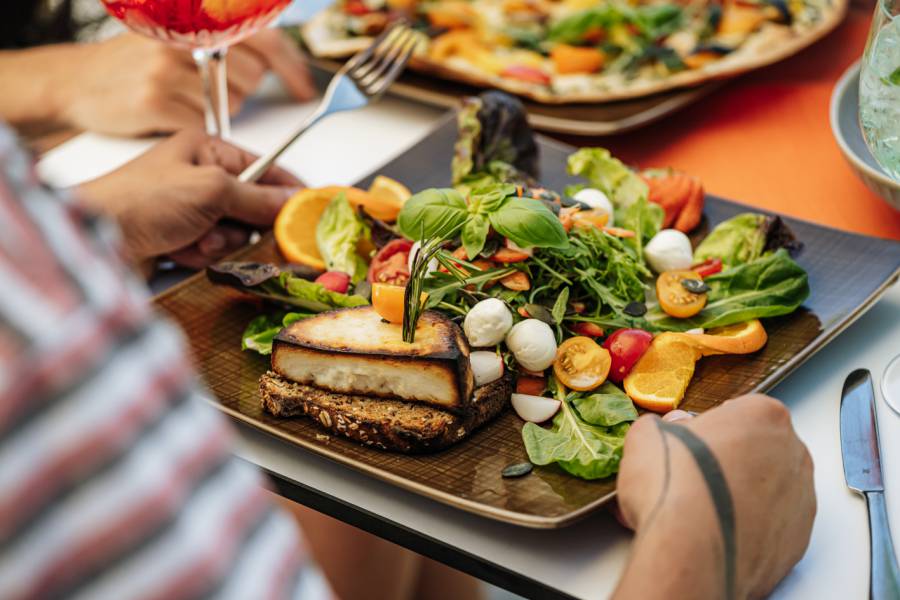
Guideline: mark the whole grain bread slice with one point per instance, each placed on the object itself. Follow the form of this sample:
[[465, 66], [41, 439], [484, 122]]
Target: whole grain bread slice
[[386, 424]]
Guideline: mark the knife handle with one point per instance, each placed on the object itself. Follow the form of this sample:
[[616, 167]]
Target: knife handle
[[885, 576]]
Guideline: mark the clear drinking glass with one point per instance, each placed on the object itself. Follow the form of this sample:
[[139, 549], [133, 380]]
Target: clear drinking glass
[[879, 87], [207, 28]]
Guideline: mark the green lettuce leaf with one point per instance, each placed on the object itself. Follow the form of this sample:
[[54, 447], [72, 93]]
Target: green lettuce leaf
[[261, 331], [736, 241], [581, 448], [605, 406], [337, 234], [770, 286], [609, 175]]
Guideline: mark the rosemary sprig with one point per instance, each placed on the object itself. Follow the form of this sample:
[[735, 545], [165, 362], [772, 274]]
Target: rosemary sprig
[[413, 303]]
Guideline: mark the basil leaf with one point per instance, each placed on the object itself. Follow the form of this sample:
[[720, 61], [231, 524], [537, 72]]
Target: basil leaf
[[529, 223], [770, 286], [474, 235], [606, 406], [489, 198], [432, 212], [338, 232]]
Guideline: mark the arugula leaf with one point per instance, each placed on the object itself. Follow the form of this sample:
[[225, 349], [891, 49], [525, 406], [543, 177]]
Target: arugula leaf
[[574, 28], [608, 174], [578, 447], [770, 286], [338, 232], [261, 331], [474, 235], [431, 212], [559, 307], [529, 223], [606, 406]]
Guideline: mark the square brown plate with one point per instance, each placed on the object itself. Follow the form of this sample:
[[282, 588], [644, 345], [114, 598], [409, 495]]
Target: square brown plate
[[847, 273]]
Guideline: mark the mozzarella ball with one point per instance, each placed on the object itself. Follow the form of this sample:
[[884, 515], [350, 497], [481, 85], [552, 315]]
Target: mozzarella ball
[[533, 343], [598, 201], [432, 264], [486, 366], [669, 250], [487, 322]]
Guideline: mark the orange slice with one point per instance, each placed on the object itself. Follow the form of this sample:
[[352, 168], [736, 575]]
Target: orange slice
[[659, 379], [742, 338], [295, 226], [387, 198]]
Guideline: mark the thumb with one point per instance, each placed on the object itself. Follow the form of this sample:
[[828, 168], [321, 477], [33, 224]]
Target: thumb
[[255, 204]]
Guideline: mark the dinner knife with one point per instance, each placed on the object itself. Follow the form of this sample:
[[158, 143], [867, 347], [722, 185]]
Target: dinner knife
[[862, 470]]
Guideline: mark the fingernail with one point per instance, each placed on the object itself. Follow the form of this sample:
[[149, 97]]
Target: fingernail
[[677, 415], [213, 242]]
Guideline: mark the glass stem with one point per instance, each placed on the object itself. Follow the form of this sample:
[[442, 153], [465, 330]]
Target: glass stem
[[215, 90]]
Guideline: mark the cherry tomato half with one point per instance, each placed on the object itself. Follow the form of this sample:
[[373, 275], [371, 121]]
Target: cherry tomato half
[[708, 267], [581, 364], [674, 298], [588, 329], [389, 265], [389, 301], [626, 347]]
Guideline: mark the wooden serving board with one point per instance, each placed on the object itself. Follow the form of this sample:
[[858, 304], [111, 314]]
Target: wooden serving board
[[847, 273]]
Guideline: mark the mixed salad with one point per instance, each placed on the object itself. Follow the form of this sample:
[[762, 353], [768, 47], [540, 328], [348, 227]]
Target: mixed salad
[[593, 296]]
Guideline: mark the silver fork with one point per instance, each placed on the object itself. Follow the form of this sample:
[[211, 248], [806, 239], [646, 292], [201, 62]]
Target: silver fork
[[361, 81]]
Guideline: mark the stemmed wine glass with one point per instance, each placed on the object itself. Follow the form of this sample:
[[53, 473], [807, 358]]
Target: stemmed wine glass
[[207, 28]]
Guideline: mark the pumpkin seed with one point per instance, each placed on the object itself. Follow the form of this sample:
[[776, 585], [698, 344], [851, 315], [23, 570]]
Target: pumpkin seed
[[635, 309], [517, 469], [695, 286], [541, 313]]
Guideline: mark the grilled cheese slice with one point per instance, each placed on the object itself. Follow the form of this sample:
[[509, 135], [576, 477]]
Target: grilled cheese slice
[[352, 351]]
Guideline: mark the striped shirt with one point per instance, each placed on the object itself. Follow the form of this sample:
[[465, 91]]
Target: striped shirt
[[116, 480]]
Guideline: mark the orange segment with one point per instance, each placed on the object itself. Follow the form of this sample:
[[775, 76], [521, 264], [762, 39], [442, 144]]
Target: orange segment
[[390, 195], [295, 226], [661, 376], [742, 338]]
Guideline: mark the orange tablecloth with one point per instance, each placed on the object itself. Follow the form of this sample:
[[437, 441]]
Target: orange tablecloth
[[765, 139]]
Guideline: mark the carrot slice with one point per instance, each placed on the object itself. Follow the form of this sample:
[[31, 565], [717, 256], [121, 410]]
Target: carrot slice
[[692, 213]]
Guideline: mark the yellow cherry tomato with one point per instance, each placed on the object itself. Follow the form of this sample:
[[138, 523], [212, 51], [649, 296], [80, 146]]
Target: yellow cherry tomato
[[675, 299], [581, 364], [389, 301]]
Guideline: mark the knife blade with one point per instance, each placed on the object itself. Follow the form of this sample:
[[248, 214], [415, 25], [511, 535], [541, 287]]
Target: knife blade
[[862, 470], [859, 436]]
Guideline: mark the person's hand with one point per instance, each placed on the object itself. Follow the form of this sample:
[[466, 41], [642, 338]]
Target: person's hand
[[756, 491], [172, 200], [131, 85]]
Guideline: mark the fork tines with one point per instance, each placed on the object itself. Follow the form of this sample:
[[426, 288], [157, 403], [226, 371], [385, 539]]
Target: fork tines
[[376, 67]]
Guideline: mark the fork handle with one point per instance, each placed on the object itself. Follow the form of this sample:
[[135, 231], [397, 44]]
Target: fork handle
[[884, 580], [262, 164]]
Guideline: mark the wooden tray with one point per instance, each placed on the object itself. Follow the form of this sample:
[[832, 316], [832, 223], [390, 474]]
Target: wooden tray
[[574, 119], [847, 274]]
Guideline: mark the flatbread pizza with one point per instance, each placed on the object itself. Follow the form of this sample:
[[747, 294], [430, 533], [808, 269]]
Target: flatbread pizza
[[565, 51]]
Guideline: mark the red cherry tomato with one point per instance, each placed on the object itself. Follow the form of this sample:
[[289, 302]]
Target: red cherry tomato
[[587, 329], [336, 281], [356, 8], [390, 263], [708, 267], [625, 347], [526, 73]]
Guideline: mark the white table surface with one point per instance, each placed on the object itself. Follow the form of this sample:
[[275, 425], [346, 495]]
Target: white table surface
[[584, 560]]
